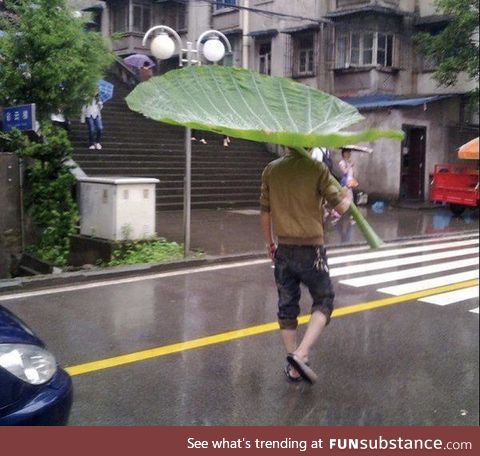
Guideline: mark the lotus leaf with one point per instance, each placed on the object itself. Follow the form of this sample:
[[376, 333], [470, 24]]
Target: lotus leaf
[[245, 104]]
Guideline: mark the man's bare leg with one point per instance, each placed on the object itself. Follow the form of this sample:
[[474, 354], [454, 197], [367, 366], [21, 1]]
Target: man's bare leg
[[289, 338], [317, 322]]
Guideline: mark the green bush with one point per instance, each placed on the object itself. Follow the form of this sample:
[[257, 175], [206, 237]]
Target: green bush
[[47, 58], [151, 251], [49, 198]]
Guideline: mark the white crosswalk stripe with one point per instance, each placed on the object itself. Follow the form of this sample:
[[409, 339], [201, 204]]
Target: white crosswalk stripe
[[403, 243], [403, 261], [451, 297], [408, 273], [412, 287], [418, 241], [387, 253]]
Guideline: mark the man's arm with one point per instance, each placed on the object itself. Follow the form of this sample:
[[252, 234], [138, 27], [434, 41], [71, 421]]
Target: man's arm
[[344, 205], [266, 224]]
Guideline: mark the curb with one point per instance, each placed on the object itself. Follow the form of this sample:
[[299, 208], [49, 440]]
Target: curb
[[67, 278]]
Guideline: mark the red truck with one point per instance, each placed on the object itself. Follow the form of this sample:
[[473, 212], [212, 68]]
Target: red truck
[[457, 183]]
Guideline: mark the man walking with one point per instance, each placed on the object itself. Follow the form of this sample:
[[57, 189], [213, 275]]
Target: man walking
[[293, 190]]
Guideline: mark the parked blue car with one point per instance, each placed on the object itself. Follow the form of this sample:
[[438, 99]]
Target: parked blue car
[[33, 389]]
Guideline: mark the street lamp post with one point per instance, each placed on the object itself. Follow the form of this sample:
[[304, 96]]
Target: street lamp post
[[163, 47]]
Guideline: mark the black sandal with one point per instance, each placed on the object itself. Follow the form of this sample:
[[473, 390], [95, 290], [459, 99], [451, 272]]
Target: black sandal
[[287, 370], [302, 367]]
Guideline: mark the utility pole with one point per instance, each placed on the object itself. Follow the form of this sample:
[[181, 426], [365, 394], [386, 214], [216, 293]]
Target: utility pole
[[245, 24]]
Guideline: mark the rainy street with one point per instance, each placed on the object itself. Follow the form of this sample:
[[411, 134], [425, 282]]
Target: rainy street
[[204, 348]]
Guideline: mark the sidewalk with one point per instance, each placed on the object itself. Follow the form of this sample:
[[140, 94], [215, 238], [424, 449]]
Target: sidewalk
[[226, 235], [237, 231]]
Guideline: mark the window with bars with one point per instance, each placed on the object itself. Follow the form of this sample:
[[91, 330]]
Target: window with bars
[[364, 49], [119, 19], [385, 49], [142, 17], [174, 15], [304, 55], [265, 58]]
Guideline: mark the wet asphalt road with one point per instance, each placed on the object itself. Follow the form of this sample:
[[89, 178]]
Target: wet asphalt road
[[403, 363]]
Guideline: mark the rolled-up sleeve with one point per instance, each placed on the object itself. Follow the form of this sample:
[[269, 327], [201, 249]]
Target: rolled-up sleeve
[[265, 190]]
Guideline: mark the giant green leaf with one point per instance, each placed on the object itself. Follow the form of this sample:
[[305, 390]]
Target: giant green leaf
[[245, 104]]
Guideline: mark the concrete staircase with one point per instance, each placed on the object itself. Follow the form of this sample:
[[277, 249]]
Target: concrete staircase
[[134, 146]]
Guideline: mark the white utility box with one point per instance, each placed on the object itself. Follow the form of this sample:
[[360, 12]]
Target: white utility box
[[117, 208]]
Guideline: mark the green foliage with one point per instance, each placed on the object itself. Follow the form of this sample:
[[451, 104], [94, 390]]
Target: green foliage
[[49, 197], [47, 58], [152, 251], [244, 104], [455, 48]]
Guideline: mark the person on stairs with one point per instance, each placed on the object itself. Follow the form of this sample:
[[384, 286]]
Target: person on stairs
[[91, 114], [196, 133]]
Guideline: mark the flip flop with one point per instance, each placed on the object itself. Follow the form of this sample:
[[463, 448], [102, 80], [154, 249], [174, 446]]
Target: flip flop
[[287, 370], [302, 368]]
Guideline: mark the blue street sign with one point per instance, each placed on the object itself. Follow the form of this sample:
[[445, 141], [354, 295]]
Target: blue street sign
[[20, 117]]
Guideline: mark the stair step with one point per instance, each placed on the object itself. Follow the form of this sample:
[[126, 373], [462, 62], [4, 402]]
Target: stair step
[[135, 146], [170, 163]]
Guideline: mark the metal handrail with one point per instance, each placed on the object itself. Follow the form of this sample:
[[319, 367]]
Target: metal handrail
[[132, 78]]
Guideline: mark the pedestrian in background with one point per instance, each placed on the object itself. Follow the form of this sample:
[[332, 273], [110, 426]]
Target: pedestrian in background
[[347, 169], [323, 155], [91, 114], [292, 192], [59, 119], [348, 180], [196, 133], [145, 72]]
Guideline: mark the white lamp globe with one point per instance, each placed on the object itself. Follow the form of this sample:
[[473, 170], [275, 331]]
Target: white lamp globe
[[214, 50], [162, 47]]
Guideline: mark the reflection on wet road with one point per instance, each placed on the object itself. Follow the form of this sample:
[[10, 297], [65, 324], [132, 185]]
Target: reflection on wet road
[[204, 349]]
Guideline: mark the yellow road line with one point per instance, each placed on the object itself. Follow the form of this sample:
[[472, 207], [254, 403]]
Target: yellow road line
[[251, 331]]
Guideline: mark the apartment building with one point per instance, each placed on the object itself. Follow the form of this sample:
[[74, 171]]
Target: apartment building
[[359, 50]]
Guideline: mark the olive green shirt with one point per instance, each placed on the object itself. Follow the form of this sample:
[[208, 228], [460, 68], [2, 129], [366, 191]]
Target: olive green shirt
[[293, 191]]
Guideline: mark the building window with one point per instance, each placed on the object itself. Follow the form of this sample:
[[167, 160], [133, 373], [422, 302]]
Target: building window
[[174, 15], [119, 18], [385, 50], [225, 4], [265, 58], [141, 18], [181, 16], [304, 55], [235, 57], [364, 49]]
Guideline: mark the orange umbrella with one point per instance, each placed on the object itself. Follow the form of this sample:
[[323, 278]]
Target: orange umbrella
[[469, 151]]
